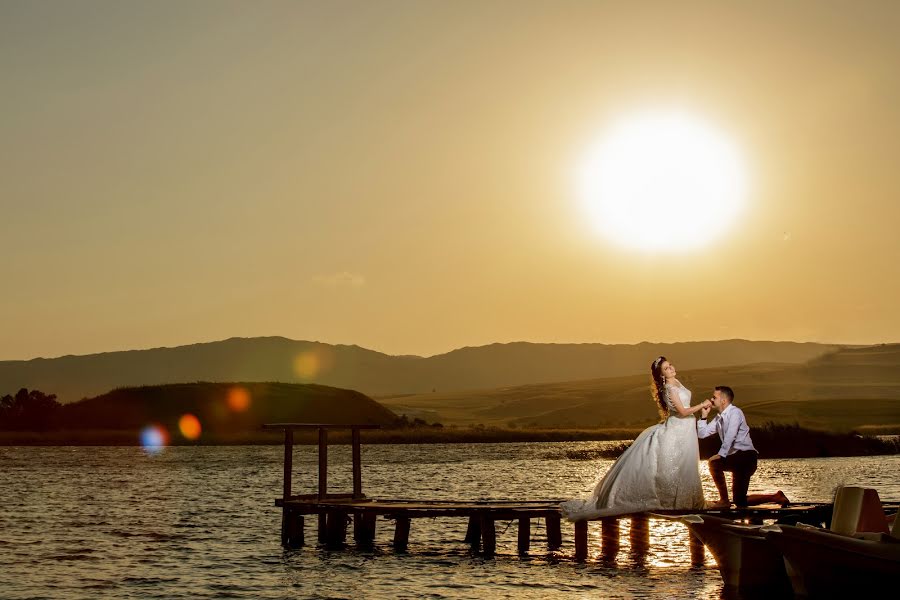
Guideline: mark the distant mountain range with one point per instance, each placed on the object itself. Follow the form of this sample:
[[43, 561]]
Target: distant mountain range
[[846, 389], [278, 359]]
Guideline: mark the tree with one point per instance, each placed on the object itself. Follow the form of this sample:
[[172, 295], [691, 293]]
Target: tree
[[28, 410]]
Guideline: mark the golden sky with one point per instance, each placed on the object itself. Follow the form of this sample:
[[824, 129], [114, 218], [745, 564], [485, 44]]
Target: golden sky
[[400, 175]]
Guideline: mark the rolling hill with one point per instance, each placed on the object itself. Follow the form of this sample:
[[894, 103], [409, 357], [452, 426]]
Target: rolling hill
[[844, 389], [279, 359], [223, 407]]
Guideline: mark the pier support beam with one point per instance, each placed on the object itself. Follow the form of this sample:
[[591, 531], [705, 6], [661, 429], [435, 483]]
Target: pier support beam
[[524, 535], [473, 532], [609, 537], [323, 528], [697, 550], [639, 536], [336, 530], [488, 535], [401, 534], [364, 529], [291, 529], [554, 532], [581, 540]]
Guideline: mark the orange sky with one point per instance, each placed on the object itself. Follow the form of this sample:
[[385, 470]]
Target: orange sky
[[399, 175]]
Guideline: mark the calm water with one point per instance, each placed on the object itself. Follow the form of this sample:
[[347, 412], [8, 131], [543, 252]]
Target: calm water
[[198, 522]]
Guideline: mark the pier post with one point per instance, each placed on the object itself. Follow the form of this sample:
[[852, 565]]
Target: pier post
[[364, 529], [639, 536], [697, 550], [581, 540], [323, 528], [337, 529], [291, 528], [357, 465], [473, 532], [401, 533], [288, 461], [609, 537], [554, 532], [524, 535], [286, 490], [323, 463], [488, 535]]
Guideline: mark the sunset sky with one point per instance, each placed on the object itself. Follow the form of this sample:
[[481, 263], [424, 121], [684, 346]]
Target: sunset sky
[[402, 175]]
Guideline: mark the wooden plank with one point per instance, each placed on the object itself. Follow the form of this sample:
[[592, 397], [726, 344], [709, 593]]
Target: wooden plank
[[401, 534], [554, 532], [323, 462], [524, 541], [288, 462], [488, 535], [357, 465], [581, 540]]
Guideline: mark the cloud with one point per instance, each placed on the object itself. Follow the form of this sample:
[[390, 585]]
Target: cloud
[[342, 279]]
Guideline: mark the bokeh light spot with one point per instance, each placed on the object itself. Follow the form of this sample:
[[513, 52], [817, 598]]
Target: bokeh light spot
[[238, 399], [306, 365], [154, 439], [189, 425]]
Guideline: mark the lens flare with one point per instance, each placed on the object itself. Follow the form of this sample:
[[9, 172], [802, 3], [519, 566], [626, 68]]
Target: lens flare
[[189, 425], [238, 399], [154, 439], [307, 365]]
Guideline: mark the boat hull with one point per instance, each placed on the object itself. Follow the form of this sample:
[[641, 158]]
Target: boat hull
[[746, 559], [821, 564]]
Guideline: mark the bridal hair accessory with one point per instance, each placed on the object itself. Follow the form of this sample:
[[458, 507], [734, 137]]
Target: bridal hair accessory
[[657, 361]]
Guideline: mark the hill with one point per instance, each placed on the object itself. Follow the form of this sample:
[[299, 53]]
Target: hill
[[280, 359], [222, 408], [841, 390]]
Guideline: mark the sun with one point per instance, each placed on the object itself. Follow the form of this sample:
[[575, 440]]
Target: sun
[[663, 181]]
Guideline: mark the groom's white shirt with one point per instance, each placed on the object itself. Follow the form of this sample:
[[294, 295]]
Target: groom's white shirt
[[732, 428]]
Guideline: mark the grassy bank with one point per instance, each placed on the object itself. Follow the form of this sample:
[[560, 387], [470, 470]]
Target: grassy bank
[[412, 435], [772, 440], [779, 441]]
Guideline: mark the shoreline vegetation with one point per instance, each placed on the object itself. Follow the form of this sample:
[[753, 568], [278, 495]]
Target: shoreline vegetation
[[772, 440]]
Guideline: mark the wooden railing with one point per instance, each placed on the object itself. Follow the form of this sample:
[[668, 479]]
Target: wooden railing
[[323, 428]]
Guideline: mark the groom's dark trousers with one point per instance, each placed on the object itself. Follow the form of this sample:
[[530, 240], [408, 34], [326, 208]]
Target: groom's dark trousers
[[742, 465]]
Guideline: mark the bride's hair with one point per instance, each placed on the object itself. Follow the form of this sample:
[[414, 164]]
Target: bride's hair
[[658, 387]]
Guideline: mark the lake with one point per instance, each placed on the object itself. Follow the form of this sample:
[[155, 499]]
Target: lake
[[200, 522]]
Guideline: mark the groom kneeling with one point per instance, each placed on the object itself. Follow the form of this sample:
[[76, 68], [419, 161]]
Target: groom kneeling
[[737, 453]]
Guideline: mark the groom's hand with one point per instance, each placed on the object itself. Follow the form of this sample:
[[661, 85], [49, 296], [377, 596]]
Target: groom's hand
[[704, 412]]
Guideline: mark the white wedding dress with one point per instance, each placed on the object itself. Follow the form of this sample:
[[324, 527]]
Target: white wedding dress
[[660, 470]]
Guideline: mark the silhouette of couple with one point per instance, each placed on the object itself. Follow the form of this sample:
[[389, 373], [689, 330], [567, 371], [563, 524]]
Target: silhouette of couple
[[660, 470]]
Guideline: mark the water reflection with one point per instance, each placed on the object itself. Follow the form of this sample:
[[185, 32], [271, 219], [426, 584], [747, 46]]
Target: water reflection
[[200, 522]]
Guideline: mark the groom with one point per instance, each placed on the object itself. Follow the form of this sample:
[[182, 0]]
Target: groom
[[737, 453]]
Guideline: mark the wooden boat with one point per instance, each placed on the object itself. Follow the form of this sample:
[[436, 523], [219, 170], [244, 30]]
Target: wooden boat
[[746, 559], [822, 564], [856, 555]]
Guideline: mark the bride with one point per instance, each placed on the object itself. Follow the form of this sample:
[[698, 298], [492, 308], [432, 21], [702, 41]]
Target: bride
[[660, 470]]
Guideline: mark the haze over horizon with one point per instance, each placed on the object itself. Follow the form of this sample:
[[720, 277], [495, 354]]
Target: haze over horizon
[[401, 175]]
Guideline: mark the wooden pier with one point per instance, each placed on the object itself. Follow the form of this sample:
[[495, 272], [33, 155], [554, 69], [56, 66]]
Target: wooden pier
[[335, 511]]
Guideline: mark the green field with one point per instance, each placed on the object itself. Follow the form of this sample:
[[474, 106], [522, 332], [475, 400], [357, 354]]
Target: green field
[[849, 389]]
